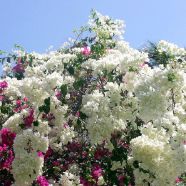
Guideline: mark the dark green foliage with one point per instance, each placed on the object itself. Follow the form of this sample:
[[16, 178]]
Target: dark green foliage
[[36, 123], [64, 90], [171, 77], [46, 107], [78, 83], [160, 57]]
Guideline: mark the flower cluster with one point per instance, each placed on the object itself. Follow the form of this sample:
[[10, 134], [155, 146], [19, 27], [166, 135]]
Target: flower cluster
[[96, 112]]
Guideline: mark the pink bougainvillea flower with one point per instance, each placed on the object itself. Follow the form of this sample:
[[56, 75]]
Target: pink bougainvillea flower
[[56, 163], [40, 154], [42, 181], [18, 68], [77, 114], [178, 180], [2, 97], [121, 179], [3, 84], [19, 60], [86, 51], [49, 116], [84, 154], [66, 125], [96, 171], [6, 157], [18, 103], [101, 152], [29, 119], [84, 182], [7, 137], [58, 94], [48, 153], [142, 65], [73, 146], [25, 99]]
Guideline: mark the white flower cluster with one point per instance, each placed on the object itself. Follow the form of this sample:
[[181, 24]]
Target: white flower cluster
[[70, 179], [160, 150], [104, 26], [170, 48], [39, 83], [107, 112], [156, 96], [121, 58], [27, 165]]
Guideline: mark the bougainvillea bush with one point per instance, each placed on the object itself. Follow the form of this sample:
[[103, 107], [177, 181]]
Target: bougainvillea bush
[[96, 112]]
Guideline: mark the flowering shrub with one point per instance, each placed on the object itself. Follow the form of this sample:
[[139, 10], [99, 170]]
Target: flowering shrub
[[96, 112]]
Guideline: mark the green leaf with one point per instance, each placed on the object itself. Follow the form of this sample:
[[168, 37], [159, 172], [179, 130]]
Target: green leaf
[[2, 52], [79, 83], [47, 101], [19, 47], [79, 122], [6, 109], [82, 115], [71, 70], [133, 69], [41, 109], [22, 125], [8, 59], [46, 107], [171, 77], [36, 123], [64, 90]]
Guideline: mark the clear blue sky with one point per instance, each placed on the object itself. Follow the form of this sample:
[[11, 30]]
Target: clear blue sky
[[37, 24]]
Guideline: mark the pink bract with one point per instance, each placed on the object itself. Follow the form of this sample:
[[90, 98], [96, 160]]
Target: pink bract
[[86, 51], [6, 157], [40, 154], [42, 181], [18, 68], [7, 137], [29, 119], [3, 84], [96, 171]]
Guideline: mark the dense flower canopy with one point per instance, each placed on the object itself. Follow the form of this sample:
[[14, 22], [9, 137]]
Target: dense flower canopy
[[95, 112]]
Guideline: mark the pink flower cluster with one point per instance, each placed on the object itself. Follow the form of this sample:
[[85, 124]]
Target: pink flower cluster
[[49, 116], [40, 154], [29, 119], [3, 84], [85, 182], [6, 157], [96, 171], [178, 180], [7, 137], [86, 51], [18, 68], [6, 153], [58, 94], [42, 181], [21, 104]]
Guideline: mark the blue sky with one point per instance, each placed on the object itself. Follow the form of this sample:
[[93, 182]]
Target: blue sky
[[37, 24]]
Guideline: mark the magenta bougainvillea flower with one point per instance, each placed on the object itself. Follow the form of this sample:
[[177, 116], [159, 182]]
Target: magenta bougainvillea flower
[[96, 171], [7, 137], [42, 181], [86, 51], [3, 84], [29, 119], [18, 68], [6, 157]]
